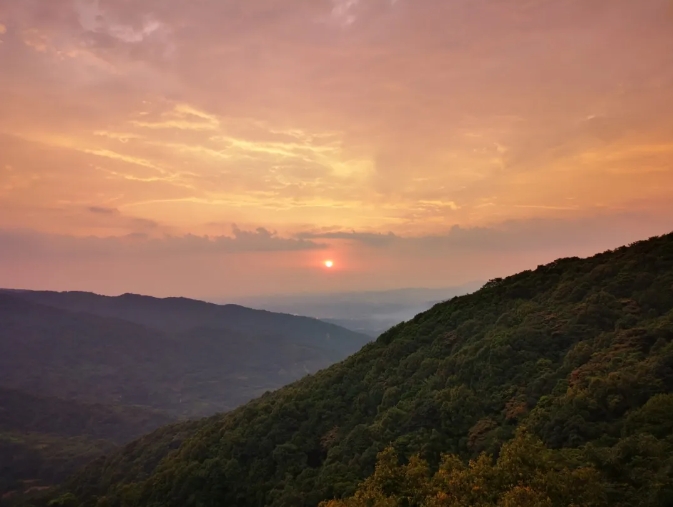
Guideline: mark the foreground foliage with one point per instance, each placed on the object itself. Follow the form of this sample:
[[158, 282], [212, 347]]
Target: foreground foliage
[[580, 351], [525, 474]]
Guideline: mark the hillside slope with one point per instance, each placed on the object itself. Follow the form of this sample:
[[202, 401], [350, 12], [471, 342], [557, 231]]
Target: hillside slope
[[197, 371], [43, 440], [579, 351], [21, 411], [73, 384], [181, 315]]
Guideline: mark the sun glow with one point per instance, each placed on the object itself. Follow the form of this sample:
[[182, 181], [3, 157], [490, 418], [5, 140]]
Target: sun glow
[[328, 263]]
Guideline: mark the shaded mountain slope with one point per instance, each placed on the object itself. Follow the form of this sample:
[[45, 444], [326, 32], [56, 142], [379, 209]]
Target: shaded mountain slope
[[179, 315], [43, 440], [580, 351], [22, 412], [199, 371], [46, 351]]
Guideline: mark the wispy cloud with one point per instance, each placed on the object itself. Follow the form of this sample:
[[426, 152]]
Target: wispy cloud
[[368, 238], [249, 261], [182, 117], [50, 246], [531, 235], [102, 210]]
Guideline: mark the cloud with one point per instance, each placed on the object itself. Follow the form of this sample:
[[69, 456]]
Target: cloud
[[587, 233], [93, 18], [343, 10], [143, 224], [24, 244], [367, 238], [249, 261], [181, 117], [114, 218], [102, 210], [395, 121]]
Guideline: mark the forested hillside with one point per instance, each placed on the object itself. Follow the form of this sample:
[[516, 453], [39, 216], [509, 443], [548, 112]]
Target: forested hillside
[[579, 352], [190, 372], [44, 440], [21, 411], [183, 316], [74, 385]]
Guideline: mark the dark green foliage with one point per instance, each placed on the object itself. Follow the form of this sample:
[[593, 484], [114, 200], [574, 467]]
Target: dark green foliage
[[43, 440], [33, 461], [578, 351], [20, 411]]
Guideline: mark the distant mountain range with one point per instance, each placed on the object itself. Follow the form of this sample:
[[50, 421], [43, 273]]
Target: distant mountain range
[[183, 356], [369, 312], [80, 373]]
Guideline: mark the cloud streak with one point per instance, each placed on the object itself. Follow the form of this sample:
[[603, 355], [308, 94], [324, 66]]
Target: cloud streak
[[257, 261], [102, 210], [596, 232], [40, 246]]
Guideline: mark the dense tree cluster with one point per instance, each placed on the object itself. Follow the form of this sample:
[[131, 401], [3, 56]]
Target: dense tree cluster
[[526, 474], [579, 351], [44, 440]]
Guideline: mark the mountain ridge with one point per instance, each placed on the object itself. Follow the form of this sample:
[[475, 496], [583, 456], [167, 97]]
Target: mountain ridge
[[31, 323], [175, 314]]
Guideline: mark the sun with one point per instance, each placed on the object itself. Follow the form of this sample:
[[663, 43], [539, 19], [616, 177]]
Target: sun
[[328, 263]]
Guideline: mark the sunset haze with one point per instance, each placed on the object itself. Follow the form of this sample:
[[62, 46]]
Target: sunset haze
[[221, 148]]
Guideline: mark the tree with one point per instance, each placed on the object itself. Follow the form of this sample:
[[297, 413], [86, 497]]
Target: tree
[[526, 474]]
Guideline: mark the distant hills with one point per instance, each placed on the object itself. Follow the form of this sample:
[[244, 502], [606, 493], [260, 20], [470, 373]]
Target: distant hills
[[180, 315], [182, 356], [81, 373], [578, 354], [369, 312]]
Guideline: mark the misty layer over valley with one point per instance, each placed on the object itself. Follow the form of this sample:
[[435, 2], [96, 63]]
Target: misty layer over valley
[[368, 312]]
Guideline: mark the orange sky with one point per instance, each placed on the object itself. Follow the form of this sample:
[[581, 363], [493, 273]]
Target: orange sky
[[227, 147]]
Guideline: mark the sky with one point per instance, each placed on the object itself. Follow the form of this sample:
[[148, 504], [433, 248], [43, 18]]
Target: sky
[[222, 148]]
